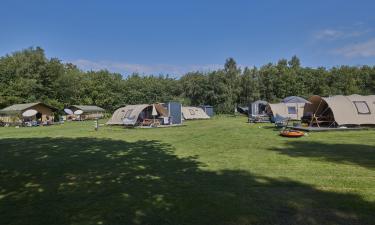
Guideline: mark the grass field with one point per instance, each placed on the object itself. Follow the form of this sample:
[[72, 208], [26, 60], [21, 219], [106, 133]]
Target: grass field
[[219, 171]]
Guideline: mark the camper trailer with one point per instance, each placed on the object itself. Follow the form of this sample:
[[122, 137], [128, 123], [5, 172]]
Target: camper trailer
[[257, 112]]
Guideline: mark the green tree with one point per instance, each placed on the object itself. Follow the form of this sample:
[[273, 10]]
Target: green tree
[[195, 87], [249, 86]]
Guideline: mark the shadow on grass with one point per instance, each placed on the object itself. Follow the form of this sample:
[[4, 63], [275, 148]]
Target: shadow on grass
[[102, 181], [358, 154]]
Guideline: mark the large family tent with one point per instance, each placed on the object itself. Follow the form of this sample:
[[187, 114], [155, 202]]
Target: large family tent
[[340, 110], [132, 115], [193, 113], [13, 113], [290, 108], [88, 111]]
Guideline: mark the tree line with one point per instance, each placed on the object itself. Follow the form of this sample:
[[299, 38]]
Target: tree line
[[29, 76]]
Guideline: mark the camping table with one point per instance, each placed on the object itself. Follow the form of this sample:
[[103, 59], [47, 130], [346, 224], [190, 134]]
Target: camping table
[[317, 121], [149, 122]]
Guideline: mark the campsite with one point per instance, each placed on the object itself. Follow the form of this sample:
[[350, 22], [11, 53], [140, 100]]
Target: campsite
[[187, 112], [68, 161], [214, 163]]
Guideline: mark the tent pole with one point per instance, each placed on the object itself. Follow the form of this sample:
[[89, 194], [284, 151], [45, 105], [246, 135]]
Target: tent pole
[[314, 115], [318, 106]]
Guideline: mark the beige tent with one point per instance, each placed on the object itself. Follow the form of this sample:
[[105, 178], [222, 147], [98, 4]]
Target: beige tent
[[341, 110], [193, 113], [292, 111], [89, 111], [13, 113], [132, 114]]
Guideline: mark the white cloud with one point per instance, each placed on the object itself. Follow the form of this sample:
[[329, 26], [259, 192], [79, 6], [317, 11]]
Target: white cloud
[[364, 49], [126, 68], [328, 34], [340, 33]]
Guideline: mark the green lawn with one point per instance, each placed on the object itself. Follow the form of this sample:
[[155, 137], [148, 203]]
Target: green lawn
[[219, 171]]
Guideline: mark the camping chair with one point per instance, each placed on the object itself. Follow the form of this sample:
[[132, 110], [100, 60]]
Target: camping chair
[[280, 121]]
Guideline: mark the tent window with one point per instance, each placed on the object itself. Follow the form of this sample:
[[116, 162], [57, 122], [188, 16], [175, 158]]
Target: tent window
[[362, 107], [191, 112], [128, 113], [292, 110]]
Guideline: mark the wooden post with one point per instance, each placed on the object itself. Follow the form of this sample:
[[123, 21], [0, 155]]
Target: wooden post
[[96, 124]]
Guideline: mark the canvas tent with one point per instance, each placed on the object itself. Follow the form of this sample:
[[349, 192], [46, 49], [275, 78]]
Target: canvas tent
[[89, 111], [292, 111], [131, 115], [193, 113], [13, 113], [290, 108], [340, 110], [294, 99]]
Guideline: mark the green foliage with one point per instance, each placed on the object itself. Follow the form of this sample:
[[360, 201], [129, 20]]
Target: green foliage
[[195, 86], [249, 86], [28, 76]]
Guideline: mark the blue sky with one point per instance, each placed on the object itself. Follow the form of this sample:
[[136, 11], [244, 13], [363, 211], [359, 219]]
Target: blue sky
[[174, 37]]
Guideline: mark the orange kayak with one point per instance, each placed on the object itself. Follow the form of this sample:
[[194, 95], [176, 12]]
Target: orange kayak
[[291, 133]]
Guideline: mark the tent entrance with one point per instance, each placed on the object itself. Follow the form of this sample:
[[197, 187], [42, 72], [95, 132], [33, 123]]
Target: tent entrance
[[320, 115], [38, 116]]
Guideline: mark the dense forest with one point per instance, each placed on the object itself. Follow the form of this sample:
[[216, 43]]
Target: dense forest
[[29, 76]]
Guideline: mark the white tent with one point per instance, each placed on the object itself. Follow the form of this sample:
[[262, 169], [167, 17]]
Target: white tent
[[191, 113], [286, 110], [291, 107], [130, 114]]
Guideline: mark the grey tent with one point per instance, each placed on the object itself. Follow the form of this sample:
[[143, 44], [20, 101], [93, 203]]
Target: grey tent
[[257, 108], [257, 112], [174, 112]]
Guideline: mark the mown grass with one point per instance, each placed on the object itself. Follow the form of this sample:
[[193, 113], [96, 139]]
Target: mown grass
[[219, 171]]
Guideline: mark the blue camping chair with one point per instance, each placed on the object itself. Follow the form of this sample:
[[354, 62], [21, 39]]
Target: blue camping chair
[[280, 121]]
